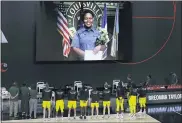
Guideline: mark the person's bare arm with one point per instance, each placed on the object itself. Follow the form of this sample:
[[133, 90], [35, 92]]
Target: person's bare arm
[[103, 47], [79, 51]]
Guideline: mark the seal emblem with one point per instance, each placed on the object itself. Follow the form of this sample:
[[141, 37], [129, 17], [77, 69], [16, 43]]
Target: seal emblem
[[73, 14]]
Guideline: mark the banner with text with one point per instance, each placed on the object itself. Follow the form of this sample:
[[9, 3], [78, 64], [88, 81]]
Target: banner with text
[[164, 97]]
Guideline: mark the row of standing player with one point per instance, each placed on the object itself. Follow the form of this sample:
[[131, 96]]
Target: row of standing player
[[132, 93]]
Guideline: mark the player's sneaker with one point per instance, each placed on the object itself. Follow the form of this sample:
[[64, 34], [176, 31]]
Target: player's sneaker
[[44, 120], [81, 117], [140, 111], [121, 116], [144, 112], [134, 116], [117, 116], [131, 116]]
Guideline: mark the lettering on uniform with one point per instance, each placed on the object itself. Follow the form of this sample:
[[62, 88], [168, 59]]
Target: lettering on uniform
[[47, 90], [59, 92], [94, 92], [144, 89], [107, 91], [135, 90], [73, 92]]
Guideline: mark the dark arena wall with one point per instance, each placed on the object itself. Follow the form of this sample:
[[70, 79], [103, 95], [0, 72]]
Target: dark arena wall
[[148, 36]]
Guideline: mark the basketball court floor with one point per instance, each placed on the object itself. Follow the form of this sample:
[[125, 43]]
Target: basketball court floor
[[159, 113], [140, 118]]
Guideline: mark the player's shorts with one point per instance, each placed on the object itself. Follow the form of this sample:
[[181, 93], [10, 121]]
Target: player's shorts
[[142, 101], [132, 100], [46, 104], [83, 103], [59, 105], [94, 105], [119, 103], [72, 104], [106, 103]]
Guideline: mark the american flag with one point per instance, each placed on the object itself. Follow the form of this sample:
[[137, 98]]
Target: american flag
[[62, 24]]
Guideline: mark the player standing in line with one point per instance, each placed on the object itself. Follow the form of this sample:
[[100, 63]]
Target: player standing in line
[[133, 100], [72, 97], [84, 95], [53, 104], [129, 82], [95, 102], [59, 102], [120, 94], [142, 99], [106, 101], [46, 97]]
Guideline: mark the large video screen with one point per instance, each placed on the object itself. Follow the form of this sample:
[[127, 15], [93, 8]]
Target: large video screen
[[82, 31]]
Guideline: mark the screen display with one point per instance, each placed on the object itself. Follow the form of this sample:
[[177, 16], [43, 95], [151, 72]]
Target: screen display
[[81, 31]]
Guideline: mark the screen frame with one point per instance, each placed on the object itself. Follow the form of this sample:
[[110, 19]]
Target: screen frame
[[71, 61]]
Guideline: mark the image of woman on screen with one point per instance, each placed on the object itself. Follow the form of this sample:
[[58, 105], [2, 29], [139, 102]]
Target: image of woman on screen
[[85, 38]]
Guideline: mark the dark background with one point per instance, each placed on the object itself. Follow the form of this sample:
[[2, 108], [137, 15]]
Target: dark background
[[18, 25], [49, 41]]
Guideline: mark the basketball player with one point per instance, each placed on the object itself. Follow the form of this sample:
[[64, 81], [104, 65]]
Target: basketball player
[[120, 93], [59, 102], [46, 97], [142, 99], [132, 100], [72, 97], [106, 101], [95, 102], [53, 104], [84, 95]]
